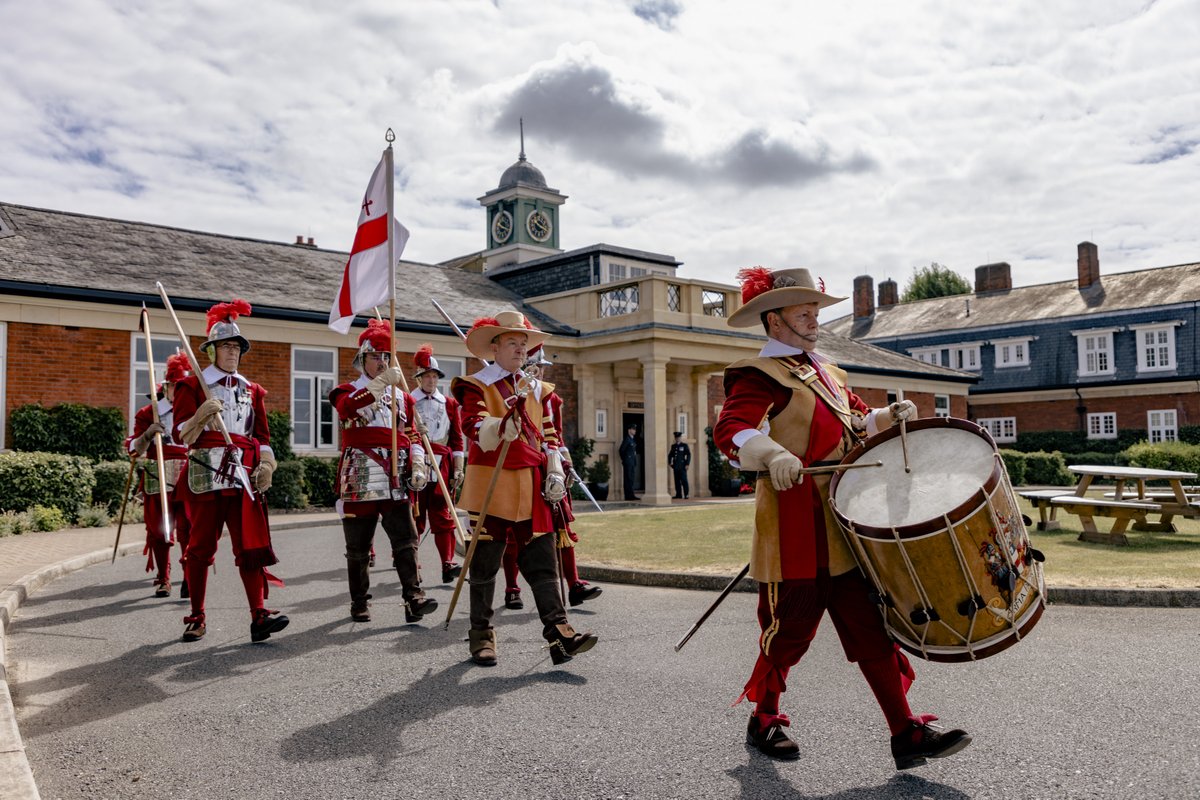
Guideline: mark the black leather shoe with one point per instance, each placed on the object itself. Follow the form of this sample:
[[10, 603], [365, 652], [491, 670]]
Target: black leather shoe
[[450, 572], [769, 739], [582, 591], [194, 628], [265, 623], [184, 594], [360, 612], [912, 747], [567, 644], [513, 600], [414, 610]]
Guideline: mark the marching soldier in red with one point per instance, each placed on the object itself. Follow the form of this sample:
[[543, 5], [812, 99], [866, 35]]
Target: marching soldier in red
[[786, 409], [440, 415], [578, 590], [141, 442], [220, 477], [367, 490], [502, 404]]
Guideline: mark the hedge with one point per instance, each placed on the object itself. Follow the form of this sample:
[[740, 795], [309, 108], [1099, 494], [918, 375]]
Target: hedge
[[110, 480], [1165, 455], [279, 423], [287, 486], [46, 479], [1014, 463], [69, 428], [1047, 469], [320, 480]]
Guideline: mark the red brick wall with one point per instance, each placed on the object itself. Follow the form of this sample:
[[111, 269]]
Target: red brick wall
[[1062, 415], [568, 389], [52, 364]]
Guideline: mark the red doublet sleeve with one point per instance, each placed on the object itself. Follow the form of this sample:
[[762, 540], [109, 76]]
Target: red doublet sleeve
[[456, 443], [188, 397], [409, 431], [472, 409], [750, 397], [556, 404], [549, 426], [347, 400], [856, 402], [262, 428], [141, 421]]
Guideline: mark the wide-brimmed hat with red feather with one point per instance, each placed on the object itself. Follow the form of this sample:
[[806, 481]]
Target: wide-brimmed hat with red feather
[[377, 338], [425, 362], [222, 325], [766, 290], [485, 329]]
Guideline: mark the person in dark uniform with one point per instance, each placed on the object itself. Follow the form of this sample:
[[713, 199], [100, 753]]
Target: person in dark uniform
[[629, 460], [679, 458]]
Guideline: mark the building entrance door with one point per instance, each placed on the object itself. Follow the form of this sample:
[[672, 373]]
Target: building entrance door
[[634, 420]]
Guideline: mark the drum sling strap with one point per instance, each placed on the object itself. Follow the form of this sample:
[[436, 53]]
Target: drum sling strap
[[808, 375]]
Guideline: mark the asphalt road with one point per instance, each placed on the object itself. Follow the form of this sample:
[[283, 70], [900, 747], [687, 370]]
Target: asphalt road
[[1096, 703]]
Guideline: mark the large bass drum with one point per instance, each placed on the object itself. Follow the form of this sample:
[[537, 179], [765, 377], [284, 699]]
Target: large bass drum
[[945, 545]]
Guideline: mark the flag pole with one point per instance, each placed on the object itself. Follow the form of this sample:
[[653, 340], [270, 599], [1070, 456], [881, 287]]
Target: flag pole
[[391, 256]]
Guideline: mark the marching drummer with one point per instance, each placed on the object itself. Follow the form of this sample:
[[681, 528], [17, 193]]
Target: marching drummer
[[784, 410]]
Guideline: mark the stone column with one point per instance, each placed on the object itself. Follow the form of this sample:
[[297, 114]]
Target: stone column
[[658, 427], [699, 443]]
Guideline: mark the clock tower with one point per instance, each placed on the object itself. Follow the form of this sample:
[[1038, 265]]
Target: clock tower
[[522, 215]]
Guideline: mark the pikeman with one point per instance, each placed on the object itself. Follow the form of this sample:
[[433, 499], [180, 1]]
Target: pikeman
[[786, 409], [440, 415], [225, 483], [502, 404], [578, 590], [141, 442], [368, 489]]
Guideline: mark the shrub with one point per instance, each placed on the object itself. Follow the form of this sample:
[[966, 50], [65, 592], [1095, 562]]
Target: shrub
[[280, 425], [1014, 463], [320, 480], [92, 517], [13, 522], [1091, 458], [110, 481], [135, 512], [287, 486], [47, 518], [45, 479], [1165, 455], [1046, 469], [69, 428]]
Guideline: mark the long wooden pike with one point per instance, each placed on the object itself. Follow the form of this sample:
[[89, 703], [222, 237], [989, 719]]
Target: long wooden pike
[[144, 324], [124, 500]]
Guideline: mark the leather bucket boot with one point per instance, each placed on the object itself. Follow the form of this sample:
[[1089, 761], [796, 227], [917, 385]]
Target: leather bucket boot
[[483, 646]]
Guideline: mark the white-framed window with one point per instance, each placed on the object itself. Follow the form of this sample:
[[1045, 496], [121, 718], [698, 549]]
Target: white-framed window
[[314, 374], [601, 423], [1155, 347], [140, 392], [941, 405], [1095, 349], [966, 356], [454, 368], [1002, 429], [1012, 352], [681, 423], [1102, 426], [617, 272], [1162, 425], [894, 396], [928, 355]]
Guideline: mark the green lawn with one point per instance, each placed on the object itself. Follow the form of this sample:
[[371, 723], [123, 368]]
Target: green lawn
[[715, 539]]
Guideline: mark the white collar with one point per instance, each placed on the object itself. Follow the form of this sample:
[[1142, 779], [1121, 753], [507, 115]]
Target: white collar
[[419, 394], [164, 407], [213, 375], [360, 382], [775, 349], [493, 373]]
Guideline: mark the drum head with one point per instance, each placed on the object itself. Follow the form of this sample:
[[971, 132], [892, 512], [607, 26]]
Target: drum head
[[949, 465]]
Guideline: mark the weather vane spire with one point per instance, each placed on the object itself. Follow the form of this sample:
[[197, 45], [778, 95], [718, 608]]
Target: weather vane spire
[[521, 122]]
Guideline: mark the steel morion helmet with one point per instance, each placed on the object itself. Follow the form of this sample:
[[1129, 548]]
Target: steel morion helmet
[[377, 338], [222, 326]]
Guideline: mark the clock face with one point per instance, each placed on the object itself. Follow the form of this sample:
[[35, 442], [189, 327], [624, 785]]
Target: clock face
[[502, 227], [538, 225]]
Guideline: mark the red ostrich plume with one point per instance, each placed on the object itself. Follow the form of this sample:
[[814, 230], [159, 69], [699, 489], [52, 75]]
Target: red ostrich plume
[[423, 357], [228, 312], [378, 333], [755, 281], [484, 322], [177, 368]]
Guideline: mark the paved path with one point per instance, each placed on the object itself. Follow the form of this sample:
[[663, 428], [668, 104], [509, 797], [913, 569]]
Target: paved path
[[1096, 704]]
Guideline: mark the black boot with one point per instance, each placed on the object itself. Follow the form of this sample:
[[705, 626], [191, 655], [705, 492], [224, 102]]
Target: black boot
[[513, 600], [184, 594], [919, 742], [567, 644], [766, 734], [265, 623], [360, 610], [450, 571], [582, 591], [414, 610]]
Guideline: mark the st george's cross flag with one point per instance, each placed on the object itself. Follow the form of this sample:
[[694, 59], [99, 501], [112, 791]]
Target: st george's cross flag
[[367, 280]]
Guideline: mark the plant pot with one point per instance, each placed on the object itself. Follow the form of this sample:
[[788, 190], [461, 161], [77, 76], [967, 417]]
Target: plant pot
[[599, 490]]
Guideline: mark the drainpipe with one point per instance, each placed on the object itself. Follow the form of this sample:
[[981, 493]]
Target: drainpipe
[[1081, 410]]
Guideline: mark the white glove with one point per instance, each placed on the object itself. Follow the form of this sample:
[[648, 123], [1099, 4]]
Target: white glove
[[903, 411], [389, 377], [191, 429], [142, 443], [418, 471], [762, 452], [556, 480], [883, 418], [264, 472], [493, 429], [459, 472]]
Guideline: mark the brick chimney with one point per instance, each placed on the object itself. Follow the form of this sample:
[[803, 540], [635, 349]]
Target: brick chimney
[[889, 293], [299, 239], [864, 297], [993, 278], [311, 243], [1089, 265]]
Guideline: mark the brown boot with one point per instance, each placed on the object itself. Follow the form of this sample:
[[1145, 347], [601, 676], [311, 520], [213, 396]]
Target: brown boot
[[483, 646], [567, 643]]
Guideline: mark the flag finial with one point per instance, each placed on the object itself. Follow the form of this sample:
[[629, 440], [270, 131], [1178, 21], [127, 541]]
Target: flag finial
[[389, 137], [521, 122]]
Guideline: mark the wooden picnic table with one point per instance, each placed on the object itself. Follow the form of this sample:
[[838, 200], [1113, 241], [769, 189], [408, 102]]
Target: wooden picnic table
[[1132, 505]]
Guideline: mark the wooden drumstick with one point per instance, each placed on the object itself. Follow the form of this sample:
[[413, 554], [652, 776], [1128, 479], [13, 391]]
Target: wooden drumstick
[[904, 444]]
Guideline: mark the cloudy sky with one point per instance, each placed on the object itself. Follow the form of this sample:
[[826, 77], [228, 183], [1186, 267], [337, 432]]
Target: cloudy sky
[[854, 137]]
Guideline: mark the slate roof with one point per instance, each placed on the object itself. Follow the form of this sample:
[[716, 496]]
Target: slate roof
[[862, 357], [59, 249], [1120, 291]]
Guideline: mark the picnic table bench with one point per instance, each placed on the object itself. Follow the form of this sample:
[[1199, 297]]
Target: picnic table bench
[[1122, 512], [1134, 505], [1047, 512]]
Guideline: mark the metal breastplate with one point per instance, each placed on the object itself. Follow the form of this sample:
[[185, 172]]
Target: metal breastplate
[[361, 478], [238, 413], [149, 467], [377, 414], [437, 421], [208, 471]]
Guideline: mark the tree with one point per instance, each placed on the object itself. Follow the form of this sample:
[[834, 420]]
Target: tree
[[934, 281]]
